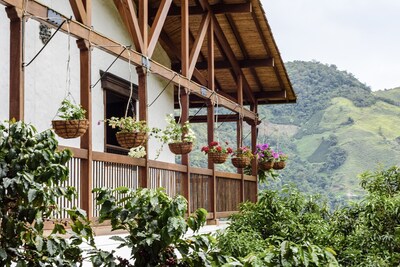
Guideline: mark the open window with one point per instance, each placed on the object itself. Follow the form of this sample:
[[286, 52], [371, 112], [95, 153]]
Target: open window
[[116, 96]]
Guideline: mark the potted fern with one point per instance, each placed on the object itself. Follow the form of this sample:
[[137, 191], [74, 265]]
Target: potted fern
[[131, 133], [73, 123]]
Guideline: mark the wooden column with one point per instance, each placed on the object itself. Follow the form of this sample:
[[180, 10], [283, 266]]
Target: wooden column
[[16, 108], [86, 176], [239, 127], [143, 116], [184, 96], [211, 117], [254, 134]]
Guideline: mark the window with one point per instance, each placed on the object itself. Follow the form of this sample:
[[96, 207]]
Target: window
[[116, 95]]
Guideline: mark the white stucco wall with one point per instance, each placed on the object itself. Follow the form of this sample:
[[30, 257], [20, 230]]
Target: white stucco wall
[[45, 78], [4, 66]]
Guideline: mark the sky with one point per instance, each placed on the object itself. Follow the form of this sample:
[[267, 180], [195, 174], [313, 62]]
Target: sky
[[359, 36]]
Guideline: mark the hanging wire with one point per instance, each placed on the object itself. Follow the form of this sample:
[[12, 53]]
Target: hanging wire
[[112, 63], [165, 87], [130, 85], [216, 118], [204, 104], [179, 99]]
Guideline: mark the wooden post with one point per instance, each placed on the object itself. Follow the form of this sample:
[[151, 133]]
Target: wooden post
[[239, 134], [211, 117], [184, 96], [143, 116], [16, 109], [86, 176], [254, 134]]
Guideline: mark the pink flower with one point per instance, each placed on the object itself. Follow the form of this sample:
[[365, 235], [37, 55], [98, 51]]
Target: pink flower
[[219, 149], [229, 150]]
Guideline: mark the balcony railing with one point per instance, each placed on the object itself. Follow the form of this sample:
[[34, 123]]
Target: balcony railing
[[220, 198]]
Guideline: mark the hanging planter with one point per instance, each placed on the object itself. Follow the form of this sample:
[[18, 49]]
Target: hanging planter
[[74, 123], [181, 148], [132, 133], [265, 165], [279, 165], [130, 140], [242, 157], [179, 137], [217, 153], [217, 157], [241, 162]]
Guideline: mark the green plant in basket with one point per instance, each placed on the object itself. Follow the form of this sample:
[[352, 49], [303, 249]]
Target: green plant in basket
[[128, 125], [175, 132], [70, 111]]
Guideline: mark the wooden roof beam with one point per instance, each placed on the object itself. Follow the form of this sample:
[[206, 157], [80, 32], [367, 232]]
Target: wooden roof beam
[[244, 64], [158, 23], [79, 10], [216, 9], [264, 95], [128, 15], [227, 50], [194, 54]]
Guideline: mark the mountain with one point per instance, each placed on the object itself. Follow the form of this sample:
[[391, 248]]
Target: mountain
[[337, 129], [342, 129]]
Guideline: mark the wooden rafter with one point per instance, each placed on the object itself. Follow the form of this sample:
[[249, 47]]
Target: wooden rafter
[[245, 63], [225, 48], [194, 54], [185, 37], [143, 14], [266, 47], [79, 10], [243, 48], [217, 9], [128, 15], [157, 25], [210, 50]]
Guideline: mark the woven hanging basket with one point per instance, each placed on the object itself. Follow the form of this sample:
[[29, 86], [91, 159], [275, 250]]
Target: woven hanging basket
[[129, 140], [181, 148], [265, 165], [241, 162], [217, 158], [70, 128], [279, 165]]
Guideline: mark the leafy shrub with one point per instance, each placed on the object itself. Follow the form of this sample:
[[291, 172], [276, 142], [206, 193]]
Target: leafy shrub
[[31, 171]]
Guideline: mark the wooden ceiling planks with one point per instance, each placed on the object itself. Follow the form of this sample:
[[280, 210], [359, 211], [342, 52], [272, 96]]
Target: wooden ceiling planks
[[249, 38]]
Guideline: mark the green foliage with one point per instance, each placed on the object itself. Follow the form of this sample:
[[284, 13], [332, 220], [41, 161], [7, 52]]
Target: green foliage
[[175, 132], [70, 111], [156, 226], [31, 171], [280, 230], [128, 125]]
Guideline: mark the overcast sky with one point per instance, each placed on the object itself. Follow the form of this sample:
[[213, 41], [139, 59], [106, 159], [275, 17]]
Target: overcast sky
[[359, 36]]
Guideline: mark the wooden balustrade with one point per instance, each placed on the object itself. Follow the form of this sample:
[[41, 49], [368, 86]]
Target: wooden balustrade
[[112, 171]]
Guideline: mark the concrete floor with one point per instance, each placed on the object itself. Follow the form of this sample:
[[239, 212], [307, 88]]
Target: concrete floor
[[104, 242]]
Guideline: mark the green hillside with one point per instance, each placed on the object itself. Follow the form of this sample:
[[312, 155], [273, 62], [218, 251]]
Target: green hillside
[[337, 129], [343, 129]]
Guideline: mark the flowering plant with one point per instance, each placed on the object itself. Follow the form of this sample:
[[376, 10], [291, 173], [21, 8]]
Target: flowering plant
[[70, 111], [243, 151], [215, 147], [265, 153], [128, 125], [175, 132], [137, 152], [282, 156]]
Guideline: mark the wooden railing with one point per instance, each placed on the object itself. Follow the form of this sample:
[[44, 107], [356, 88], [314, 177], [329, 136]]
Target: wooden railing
[[112, 171]]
